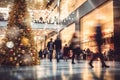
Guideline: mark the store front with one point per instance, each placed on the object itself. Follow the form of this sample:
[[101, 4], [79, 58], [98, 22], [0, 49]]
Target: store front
[[66, 34], [103, 14]]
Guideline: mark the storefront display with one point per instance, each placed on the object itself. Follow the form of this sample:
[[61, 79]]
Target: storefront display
[[67, 33], [103, 15]]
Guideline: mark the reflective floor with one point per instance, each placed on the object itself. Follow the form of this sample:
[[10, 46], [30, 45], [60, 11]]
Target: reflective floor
[[62, 71]]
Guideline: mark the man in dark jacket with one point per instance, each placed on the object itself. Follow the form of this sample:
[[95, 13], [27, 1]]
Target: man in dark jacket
[[50, 46], [58, 47]]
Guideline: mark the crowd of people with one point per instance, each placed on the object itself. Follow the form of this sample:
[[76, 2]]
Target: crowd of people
[[62, 52], [85, 54], [73, 51]]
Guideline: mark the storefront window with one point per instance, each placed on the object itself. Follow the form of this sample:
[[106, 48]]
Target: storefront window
[[66, 34], [104, 14]]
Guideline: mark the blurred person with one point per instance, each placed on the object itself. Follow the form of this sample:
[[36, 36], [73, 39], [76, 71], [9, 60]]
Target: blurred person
[[65, 52], [84, 55], [75, 46], [88, 53], [58, 47], [40, 53], [110, 54], [99, 41], [45, 52], [50, 46]]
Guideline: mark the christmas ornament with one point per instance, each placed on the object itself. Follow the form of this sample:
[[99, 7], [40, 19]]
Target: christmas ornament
[[15, 58], [25, 41], [28, 30], [17, 64], [19, 55], [20, 61], [23, 52], [20, 46], [33, 58], [21, 30], [10, 44], [11, 51], [11, 58], [14, 54]]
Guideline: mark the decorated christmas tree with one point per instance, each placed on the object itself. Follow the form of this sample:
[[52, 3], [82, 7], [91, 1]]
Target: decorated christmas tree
[[18, 47]]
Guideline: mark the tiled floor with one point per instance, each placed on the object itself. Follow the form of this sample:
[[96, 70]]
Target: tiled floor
[[62, 71]]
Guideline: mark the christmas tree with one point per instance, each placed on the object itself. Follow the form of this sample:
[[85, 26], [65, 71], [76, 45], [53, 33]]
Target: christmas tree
[[18, 47]]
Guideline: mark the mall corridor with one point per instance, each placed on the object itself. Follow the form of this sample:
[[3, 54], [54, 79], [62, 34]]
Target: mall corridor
[[69, 26], [62, 71]]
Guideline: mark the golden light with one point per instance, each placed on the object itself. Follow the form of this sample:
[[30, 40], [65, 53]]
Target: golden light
[[25, 41]]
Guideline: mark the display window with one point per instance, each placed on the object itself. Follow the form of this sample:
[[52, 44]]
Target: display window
[[102, 15], [66, 34]]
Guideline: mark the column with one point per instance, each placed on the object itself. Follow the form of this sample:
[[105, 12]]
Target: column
[[77, 22], [116, 8]]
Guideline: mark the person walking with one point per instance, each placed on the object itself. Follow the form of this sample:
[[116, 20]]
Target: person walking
[[58, 47], [66, 52], [75, 46], [40, 54], [50, 46], [45, 52], [99, 41]]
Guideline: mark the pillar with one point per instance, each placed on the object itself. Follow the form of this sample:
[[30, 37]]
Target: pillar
[[116, 10]]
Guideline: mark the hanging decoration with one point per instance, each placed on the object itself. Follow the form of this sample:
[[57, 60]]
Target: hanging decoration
[[10, 44]]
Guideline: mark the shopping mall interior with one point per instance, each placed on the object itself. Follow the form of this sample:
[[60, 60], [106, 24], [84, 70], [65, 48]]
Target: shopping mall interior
[[50, 17], [41, 20]]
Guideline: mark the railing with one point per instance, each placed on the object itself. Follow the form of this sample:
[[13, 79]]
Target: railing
[[35, 25]]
